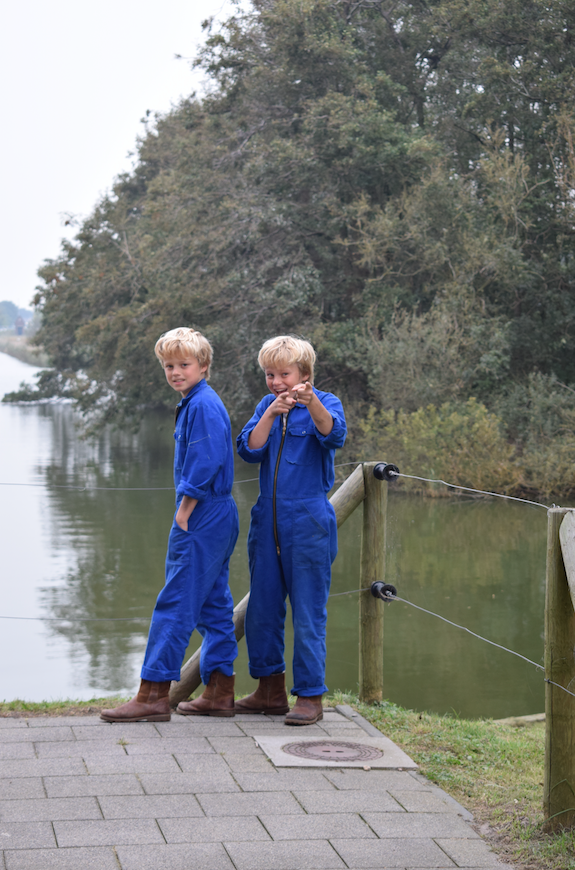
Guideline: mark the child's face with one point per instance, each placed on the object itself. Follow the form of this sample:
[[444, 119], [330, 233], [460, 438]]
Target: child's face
[[284, 378], [183, 375]]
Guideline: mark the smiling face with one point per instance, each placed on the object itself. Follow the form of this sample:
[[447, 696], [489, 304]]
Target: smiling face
[[283, 378], [184, 374]]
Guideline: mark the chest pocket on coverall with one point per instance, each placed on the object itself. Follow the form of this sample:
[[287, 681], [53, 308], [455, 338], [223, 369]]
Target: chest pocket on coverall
[[301, 444]]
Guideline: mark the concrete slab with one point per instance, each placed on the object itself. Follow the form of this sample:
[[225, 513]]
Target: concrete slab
[[62, 859], [21, 789], [106, 832], [26, 835], [16, 750], [374, 779], [20, 768], [208, 856], [272, 803], [390, 853], [218, 782], [319, 827], [283, 780], [292, 855], [36, 735], [391, 757], [241, 829], [394, 825], [469, 853], [84, 786], [186, 745], [117, 730], [351, 801], [150, 806], [101, 763], [49, 809]]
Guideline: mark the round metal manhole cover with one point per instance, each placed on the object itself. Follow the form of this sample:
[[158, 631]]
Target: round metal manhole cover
[[333, 750]]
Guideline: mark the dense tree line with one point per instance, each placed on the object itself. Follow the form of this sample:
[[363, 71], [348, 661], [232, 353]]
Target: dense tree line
[[392, 180]]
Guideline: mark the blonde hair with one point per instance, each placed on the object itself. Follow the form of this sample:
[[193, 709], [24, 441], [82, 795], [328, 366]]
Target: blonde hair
[[287, 350], [182, 343]]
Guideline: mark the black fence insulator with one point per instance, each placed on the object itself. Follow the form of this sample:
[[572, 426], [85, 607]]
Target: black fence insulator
[[385, 471], [385, 591]]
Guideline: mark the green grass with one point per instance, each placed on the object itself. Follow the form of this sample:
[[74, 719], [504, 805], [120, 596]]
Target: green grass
[[27, 709], [495, 770]]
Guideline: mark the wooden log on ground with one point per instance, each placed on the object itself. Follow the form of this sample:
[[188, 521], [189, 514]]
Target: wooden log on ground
[[372, 569], [559, 777], [344, 501]]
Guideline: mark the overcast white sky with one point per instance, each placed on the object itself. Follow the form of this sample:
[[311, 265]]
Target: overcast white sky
[[76, 78]]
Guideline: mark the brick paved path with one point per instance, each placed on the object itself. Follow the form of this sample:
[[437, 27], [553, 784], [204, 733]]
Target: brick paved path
[[80, 794]]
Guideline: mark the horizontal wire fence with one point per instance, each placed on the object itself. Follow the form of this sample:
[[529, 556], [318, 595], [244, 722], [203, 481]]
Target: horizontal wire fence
[[453, 486]]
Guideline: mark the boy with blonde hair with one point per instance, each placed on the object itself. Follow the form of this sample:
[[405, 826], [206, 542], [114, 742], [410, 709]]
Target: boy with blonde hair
[[202, 538], [292, 542]]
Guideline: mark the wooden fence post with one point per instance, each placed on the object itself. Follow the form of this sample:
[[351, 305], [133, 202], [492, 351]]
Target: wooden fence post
[[344, 501], [559, 778], [372, 569]]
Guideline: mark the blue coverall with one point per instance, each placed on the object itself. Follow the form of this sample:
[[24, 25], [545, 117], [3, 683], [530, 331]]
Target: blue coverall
[[196, 593], [298, 564]]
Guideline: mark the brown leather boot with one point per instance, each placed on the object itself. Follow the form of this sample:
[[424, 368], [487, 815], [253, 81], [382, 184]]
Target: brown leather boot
[[269, 697], [306, 711], [151, 704], [217, 699]]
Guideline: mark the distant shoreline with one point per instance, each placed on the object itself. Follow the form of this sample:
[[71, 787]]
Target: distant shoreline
[[19, 347]]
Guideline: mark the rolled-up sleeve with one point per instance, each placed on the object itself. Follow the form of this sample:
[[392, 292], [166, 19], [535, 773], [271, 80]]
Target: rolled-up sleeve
[[336, 437], [244, 451], [205, 453]]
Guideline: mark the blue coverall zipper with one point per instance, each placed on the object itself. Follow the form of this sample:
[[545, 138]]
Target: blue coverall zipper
[[284, 429]]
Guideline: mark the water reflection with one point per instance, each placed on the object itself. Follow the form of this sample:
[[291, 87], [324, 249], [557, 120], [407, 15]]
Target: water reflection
[[99, 554]]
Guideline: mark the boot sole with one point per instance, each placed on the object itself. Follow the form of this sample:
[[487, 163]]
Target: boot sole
[[158, 718], [273, 711], [304, 721]]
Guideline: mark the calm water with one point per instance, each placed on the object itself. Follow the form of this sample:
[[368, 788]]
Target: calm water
[[99, 554]]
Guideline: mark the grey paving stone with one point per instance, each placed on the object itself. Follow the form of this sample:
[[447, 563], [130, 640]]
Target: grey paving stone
[[62, 859], [171, 745], [49, 809], [189, 783], [83, 786], [26, 835], [339, 724], [352, 801], [245, 745], [150, 807], [469, 853], [380, 780], [212, 763], [318, 827], [41, 767], [239, 763], [59, 721], [290, 732], [390, 825], [421, 853], [244, 828], [78, 749], [20, 789], [16, 750], [199, 726], [36, 735], [422, 801], [346, 734], [12, 722], [207, 856], [292, 855], [117, 730], [249, 804], [107, 832], [283, 780], [254, 717], [101, 764]]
